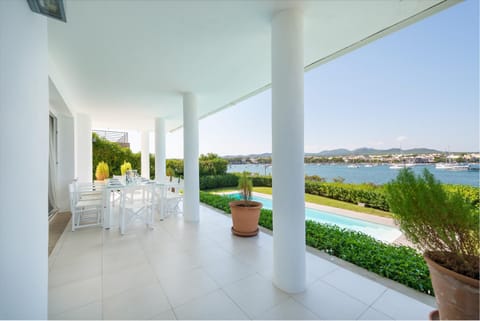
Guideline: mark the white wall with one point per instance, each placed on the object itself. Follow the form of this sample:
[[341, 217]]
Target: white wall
[[23, 162], [66, 160], [83, 148]]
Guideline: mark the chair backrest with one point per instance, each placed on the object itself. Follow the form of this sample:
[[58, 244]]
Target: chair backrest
[[72, 196]]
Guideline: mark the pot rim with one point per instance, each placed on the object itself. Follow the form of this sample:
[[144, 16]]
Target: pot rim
[[463, 278], [237, 203]]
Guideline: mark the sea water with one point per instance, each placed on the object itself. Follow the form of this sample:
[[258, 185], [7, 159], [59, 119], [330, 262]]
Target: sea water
[[380, 174]]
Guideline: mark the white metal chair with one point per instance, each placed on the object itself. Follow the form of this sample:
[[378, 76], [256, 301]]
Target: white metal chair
[[136, 204], [173, 197], [86, 208]]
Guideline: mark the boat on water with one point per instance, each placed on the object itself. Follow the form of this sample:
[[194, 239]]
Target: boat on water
[[400, 166], [474, 167], [453, 167], [353, 166]]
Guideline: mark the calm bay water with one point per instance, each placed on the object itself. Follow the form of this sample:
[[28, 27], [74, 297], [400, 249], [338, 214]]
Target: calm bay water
[[380, 174]]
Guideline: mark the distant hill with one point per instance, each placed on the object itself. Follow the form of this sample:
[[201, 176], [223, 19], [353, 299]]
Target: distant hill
[[346, 152], [373, 151]]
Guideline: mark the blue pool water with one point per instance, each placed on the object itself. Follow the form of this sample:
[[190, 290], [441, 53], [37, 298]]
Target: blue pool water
[[378, 231]]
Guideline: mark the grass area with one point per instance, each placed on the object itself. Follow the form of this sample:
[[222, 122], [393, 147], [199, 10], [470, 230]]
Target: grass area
[[331, 202]]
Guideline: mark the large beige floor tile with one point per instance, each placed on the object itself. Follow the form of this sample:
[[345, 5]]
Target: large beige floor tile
[[330, 303], [74, 295], [401, 307], [255, 295], [183, 287], [288, 310], [139, 303], [212, 306], [359, 287], [129, 278], [91, 311]]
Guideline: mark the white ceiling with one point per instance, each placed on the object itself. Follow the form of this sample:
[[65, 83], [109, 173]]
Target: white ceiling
[[127, 62]]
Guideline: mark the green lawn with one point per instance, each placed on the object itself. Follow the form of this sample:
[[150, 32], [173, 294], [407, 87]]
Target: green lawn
[[331, 202]]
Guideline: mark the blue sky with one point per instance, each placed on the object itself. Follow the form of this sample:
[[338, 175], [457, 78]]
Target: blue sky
[[417, 87]]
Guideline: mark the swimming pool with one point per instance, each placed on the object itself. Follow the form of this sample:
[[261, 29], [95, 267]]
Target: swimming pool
[[380, 232]]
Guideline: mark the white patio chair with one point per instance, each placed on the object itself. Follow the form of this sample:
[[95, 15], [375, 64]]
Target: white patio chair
[[173, 198], [89, 190], [136, 204], [85, 211]]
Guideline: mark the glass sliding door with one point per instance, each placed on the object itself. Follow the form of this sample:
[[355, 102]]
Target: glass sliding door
[[52, 166]]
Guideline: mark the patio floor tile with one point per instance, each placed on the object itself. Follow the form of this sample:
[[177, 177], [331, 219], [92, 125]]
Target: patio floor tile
[[139, 303], [355, 285], [255, 295], [330, 303], [74, 295], [184, 270], [212, 306], [401, 307], [183, 287], [288, 310]]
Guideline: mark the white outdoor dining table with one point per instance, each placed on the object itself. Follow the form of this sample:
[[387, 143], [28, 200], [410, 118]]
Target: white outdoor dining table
[[111, 188]]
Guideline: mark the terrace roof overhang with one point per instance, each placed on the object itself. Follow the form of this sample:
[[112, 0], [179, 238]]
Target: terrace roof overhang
[[127, 62]]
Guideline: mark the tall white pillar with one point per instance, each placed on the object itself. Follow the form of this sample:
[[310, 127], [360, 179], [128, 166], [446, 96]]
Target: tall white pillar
[[145, 154], [160, 154], [24, 162], [83, 148], [288, 151], [191, 201]]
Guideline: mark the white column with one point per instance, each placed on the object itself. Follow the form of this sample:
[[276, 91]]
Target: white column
[[23, 162], [191, 202], [83, 148], [145, 154], [160, 154], [288, 151]]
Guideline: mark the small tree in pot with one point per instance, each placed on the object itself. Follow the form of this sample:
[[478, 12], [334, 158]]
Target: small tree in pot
[[101, 172], [245, 213], [446, 227]]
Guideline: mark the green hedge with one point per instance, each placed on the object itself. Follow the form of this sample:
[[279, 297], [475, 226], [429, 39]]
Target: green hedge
[[113, 154], [231, 180], [217, 181], [470, 193], [370, 195], [262, 181], [398, 263]]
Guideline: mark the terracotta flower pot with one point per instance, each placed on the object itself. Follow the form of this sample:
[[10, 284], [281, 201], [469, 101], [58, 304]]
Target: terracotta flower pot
[[245, 218], [456, 294]]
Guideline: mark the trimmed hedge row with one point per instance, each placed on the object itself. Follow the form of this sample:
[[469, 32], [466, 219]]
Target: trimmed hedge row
[[399, 263], [217, 181], [470, 193], [370, 195]]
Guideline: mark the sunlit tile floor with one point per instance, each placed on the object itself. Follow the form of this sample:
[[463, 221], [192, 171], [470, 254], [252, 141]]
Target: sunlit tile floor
[[182, 270]]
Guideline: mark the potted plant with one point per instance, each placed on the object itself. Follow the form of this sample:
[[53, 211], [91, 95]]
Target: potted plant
[[446, 227], [245, 212], [101, 172], [126, 166]]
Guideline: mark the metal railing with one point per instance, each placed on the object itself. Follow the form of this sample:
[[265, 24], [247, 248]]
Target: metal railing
[[113, 136]]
